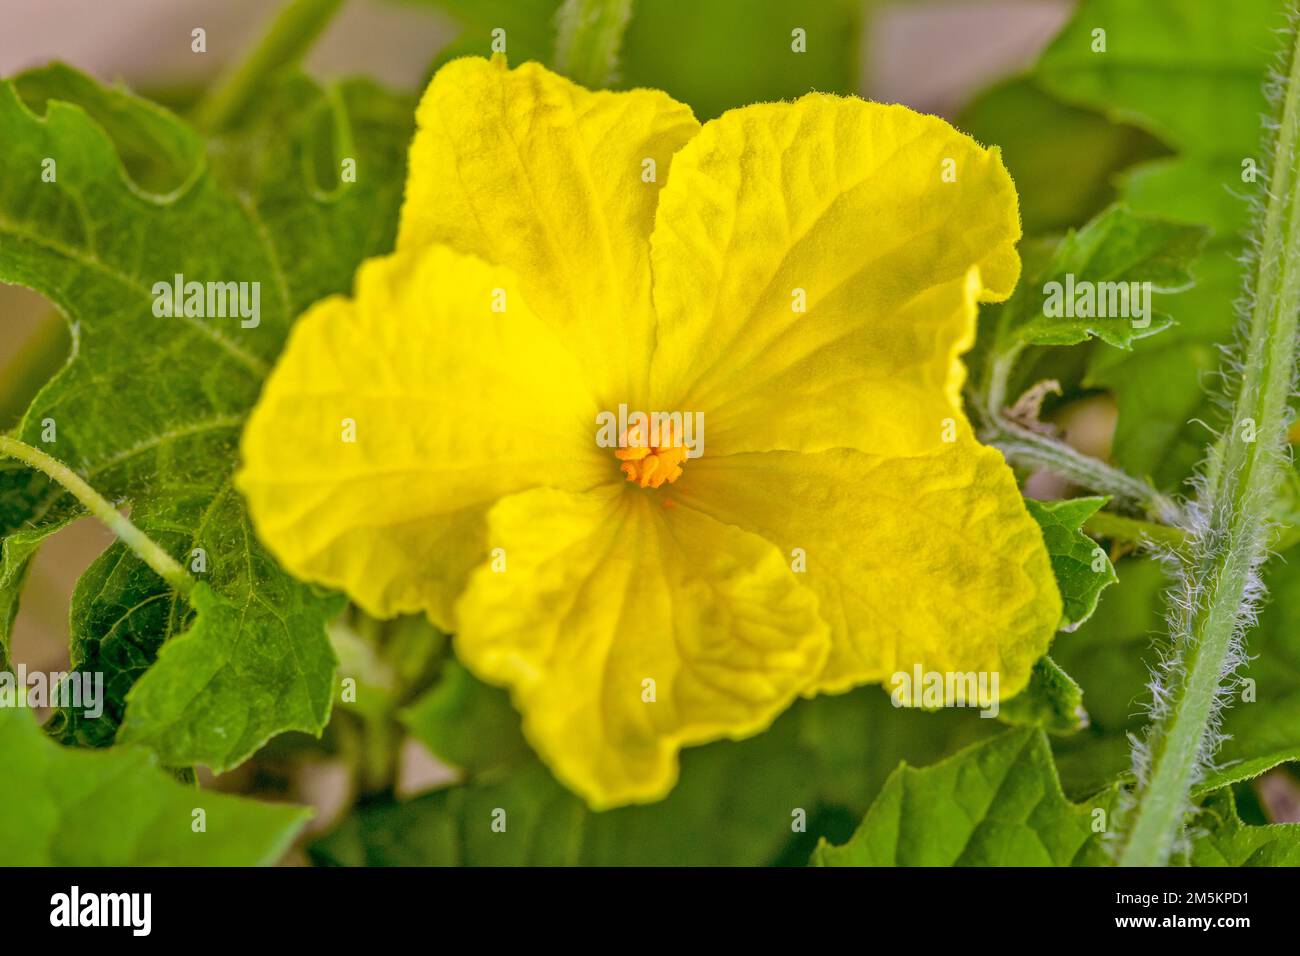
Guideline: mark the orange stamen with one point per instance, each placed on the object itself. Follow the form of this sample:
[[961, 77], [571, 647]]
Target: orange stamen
[[651, 465]]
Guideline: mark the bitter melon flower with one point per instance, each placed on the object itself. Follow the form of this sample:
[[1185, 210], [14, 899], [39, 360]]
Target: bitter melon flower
[[662, 420]]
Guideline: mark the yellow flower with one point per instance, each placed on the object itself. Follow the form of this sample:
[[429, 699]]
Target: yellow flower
[[800, 276]]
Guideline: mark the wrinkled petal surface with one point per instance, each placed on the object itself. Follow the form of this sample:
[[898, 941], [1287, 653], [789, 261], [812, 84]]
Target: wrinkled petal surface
[[452, 405], [604, 591], [931, 560], [883, 225], [528, 170]]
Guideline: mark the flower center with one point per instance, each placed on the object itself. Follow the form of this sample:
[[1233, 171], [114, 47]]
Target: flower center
[[651, 465]]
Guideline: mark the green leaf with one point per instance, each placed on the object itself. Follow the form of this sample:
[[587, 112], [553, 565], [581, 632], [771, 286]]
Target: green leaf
[[998, 803], [1081, 566], [1180, 70], [118, 808], [1119, 247], [1239, 771], [149, 409], [1221, 839], [1177, 188], [234, 679], [1052, 701]]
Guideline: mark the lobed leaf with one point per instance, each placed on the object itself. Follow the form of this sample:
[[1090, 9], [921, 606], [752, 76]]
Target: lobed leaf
[[148, 409]]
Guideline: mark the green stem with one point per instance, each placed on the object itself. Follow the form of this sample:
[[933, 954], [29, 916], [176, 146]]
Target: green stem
[[1107, 524], [589, 35], [1219, 574], [135, 539], [290, 36], [1024, 446]]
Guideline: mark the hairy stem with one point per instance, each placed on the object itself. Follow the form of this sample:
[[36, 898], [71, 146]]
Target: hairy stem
[[589, 35], [1024, 446], [290, 36], [145, 547], [1220, 572]]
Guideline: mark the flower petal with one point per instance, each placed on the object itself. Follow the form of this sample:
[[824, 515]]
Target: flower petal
[[603, 591], [525, 169], [845, 204], [931, 560], [453, 405]]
